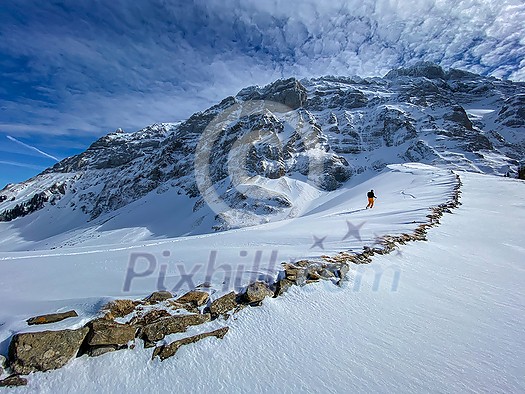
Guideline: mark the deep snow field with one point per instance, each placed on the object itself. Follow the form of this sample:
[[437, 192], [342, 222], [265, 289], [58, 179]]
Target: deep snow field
[[439, 316]]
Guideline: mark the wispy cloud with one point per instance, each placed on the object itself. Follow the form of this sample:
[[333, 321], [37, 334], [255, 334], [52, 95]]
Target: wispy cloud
[[23, 165], [93, 67], [33, 148]]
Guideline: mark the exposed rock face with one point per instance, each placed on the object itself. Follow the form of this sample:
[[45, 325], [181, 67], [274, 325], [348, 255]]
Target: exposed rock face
[[335, 127], [166, 351], [42, 351], [104, 332], [51, 318], [521, 172], [256, 292], [459, 116], [289, 92], [169, 325], [223, 305], [424, 69]]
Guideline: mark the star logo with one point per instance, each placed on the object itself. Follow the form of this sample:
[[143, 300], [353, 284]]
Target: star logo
[[318, 242], [353, 231]]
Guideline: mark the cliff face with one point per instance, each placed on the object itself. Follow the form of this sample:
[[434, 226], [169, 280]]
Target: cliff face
[[248, 149]]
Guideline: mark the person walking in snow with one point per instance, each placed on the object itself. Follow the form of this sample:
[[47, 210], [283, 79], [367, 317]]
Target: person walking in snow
[[371, 196]]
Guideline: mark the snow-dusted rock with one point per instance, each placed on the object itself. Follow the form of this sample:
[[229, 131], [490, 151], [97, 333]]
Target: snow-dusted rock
[[158, 296], [42, 351], [256, 292], [223, 305], [169, 325], [195, 298], [51, 318], [166, 351], [104, 332], [13, 381]]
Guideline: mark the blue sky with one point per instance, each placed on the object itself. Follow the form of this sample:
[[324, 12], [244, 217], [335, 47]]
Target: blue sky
[[73, 71]]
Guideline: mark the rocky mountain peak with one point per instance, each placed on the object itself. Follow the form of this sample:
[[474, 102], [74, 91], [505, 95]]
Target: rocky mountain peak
[[420, 70], [324, 132]]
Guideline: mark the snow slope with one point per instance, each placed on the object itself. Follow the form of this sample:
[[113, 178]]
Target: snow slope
[[84, 278], [453, 322]]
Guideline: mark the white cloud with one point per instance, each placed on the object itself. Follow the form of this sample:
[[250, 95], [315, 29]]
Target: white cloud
[[96, 67]]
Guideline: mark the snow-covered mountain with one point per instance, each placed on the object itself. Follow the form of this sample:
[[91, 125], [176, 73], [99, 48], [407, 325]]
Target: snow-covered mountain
[[266, 154]]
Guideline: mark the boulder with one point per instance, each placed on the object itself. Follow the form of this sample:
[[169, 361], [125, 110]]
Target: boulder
[[221, 306], [158, 296], [105, 332], [170, 325], [256, 292], [120, 308], [13, 381], [282, 286], [195, 298], [149, 317], [297, 275], [51, 318], [42, 351], [166, 351]]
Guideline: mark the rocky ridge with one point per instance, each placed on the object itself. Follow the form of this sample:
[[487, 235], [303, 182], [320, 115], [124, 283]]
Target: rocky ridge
[[343, 125]]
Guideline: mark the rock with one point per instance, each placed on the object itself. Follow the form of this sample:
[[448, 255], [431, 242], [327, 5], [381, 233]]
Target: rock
[[42, 351], [166, 351], [158, 296], [521, 171], [13, 381], [221, 306], [51, 318], [120, 308], [256, 292], [326, 273], [297, 275], [149, 317], [195, 298], [169, 325], [100, 350], [105, 332], [459, 116], [422, 69], [187, 307], [343, 270], [289, 92], [282, 286]]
